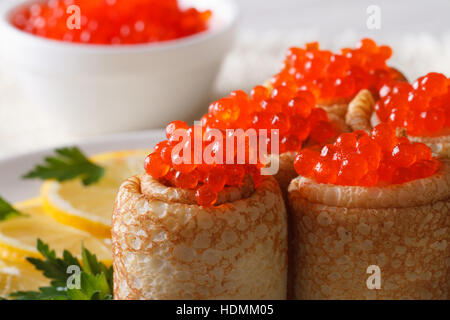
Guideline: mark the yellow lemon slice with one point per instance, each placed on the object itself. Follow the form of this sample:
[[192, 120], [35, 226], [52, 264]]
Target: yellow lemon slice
[[18, 236], [19, 277], [89, 208]]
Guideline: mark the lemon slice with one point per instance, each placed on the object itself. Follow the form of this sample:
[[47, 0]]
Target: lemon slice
[[18, 235], [89, 208], [19, 277]]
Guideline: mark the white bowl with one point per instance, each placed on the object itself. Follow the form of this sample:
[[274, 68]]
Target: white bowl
[[94, 89]]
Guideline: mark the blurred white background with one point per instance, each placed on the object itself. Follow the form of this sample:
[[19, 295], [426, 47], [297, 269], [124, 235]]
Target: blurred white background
[[334, 17], [418, 31]]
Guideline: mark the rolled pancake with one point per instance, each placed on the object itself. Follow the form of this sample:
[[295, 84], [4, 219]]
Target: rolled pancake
[[286, 171], [165, 246], [440, 145], [360, 110], [337, 109], [339, 231]]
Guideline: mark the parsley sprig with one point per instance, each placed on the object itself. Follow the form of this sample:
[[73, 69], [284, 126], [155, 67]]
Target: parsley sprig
[[7, 211], [96, 279], [67, 164]]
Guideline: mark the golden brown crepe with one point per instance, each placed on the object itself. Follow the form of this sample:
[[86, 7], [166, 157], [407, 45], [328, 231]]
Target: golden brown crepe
[[165, 246], [340, 231]]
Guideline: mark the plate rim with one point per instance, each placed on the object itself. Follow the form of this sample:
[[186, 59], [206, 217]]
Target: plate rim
[[86, 141]]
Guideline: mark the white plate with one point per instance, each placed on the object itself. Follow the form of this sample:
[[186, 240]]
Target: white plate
[[13, 188]]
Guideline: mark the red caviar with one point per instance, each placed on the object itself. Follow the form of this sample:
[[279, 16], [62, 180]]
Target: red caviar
[[287, 108], [181, 161], [423, 108], [112, 21], [359, 159], [335, 77]]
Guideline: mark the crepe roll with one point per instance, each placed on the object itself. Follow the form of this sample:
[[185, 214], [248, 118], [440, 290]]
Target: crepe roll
[[166, 246], [377, 242]]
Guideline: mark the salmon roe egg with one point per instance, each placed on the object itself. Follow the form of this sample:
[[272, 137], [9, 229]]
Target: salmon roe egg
[[206, 196], [305, 161], [325, 171], [155, 165], [423, 108], [359, 159], [216, 179], [175, 125], [109, 22]]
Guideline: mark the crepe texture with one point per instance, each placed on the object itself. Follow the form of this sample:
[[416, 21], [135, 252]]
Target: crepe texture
[[439, 145], [360, 110], [165, 246], [286, 171], [337, 107], [339, 231]]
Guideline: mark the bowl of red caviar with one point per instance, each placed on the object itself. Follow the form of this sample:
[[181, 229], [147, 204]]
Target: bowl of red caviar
[[101, 66]]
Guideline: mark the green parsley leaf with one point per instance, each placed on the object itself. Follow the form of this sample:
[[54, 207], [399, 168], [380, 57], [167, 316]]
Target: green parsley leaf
[[96, 279], [53, 267], [7, 211], [92, 287], [92, 266], [67, 164], [44, 293]]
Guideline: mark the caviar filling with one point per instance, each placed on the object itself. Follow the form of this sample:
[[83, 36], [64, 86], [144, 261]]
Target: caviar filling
[[178, 162], [288, 109], [110, 22], [360, 159], [162, 191], [292, 112], [337, 77], [423, 108]]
